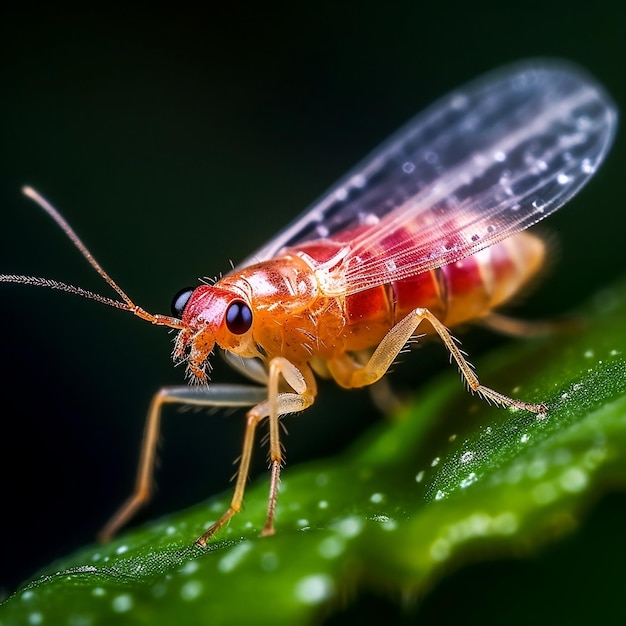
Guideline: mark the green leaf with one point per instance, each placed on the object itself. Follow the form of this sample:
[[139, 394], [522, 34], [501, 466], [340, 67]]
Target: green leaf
[[448, 482]]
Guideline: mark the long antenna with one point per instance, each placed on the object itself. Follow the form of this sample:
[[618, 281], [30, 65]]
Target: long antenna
[[35, 281]]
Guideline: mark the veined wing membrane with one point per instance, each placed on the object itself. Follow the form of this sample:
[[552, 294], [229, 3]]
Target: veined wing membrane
[[481, 164]]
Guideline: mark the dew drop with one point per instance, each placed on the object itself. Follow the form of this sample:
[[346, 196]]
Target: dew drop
[[191, 590], [359, 181], [341, 194], [459, 102], [573, 480], [314, 589], [122, 603], [469, 480], [331, 547], [587, 166], [217, 507], [467, 456], [349, 527], [369, 219], [386, 522], [189, 568], [232, 558], [539, 205]]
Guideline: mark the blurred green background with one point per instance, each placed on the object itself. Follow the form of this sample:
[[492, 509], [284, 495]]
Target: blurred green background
[[178, 139]]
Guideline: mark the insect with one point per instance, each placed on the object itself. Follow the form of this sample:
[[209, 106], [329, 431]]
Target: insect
[[429, 231]]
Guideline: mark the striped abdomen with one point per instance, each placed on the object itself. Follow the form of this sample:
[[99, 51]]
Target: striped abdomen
[[455, 293]]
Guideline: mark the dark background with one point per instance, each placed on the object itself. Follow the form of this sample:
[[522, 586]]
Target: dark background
[[175, 141]]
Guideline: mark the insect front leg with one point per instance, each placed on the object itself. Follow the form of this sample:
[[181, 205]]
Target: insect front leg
[[301, 380], [393, 343], [213, 396]]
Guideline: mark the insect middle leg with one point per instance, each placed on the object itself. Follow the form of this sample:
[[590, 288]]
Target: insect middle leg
[[349, 374], [277, 404]]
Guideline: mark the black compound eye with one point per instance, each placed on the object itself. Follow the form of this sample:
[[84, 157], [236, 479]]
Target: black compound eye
[[180, 300], [238, 317]]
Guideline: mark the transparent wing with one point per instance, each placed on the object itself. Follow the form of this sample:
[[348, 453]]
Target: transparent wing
[[481, 164]]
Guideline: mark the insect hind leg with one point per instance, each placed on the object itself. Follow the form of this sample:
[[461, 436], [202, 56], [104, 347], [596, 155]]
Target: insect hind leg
[[490, 395], [393, 343]]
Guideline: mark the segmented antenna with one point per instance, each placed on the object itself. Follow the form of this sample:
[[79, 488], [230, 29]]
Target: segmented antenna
[[36, 281]]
